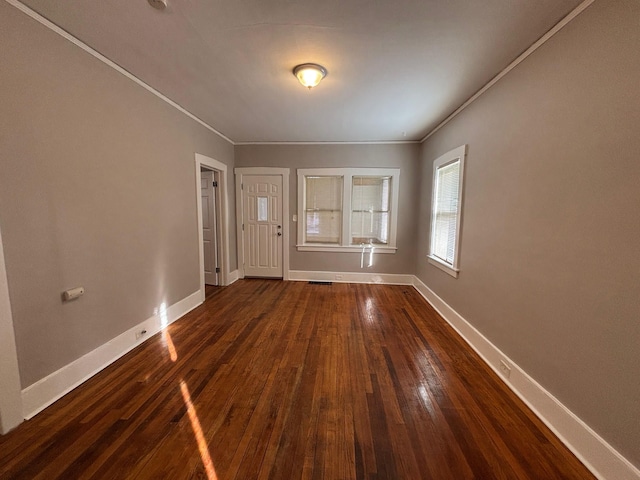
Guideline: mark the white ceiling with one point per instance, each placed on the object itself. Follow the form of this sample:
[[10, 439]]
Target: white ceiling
[[394, 66]]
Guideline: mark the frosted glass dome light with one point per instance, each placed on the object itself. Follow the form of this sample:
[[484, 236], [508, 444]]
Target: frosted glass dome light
[[310, 74]]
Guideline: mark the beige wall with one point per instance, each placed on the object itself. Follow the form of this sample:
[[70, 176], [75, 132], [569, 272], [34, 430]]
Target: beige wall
[[404, 156], [550, 263], [97, 188]]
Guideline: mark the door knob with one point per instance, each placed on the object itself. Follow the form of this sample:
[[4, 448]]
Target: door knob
[[279, 234], [279, 226]]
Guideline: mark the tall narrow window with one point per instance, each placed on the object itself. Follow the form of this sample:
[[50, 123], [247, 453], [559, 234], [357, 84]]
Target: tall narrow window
[[446, 210], [323, 209], [370, 210]]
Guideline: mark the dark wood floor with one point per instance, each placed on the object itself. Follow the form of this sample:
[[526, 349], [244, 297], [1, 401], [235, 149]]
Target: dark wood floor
[[287, 380]]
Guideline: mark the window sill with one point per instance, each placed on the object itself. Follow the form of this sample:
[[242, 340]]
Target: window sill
[[436, 262], [343, 249]]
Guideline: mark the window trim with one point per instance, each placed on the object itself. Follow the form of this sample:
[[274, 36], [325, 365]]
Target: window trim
[[347, 175], [457, 154]]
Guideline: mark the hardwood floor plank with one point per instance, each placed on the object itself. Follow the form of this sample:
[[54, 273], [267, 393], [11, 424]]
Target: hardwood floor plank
[[287, 380]]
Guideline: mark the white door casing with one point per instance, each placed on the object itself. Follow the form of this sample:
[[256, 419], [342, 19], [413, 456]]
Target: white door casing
[[10, 394], [209, 227], [220, 171], [262, 208]]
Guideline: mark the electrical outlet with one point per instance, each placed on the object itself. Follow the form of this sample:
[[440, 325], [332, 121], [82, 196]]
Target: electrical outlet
[[505, 369], [140, 333], [338, 277]]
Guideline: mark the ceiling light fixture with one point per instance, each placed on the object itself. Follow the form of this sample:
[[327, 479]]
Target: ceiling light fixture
[[158, 4], [310, 74]]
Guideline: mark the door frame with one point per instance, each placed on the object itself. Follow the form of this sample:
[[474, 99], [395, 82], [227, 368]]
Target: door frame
[[222, 219], [11, 394], [284, 173]]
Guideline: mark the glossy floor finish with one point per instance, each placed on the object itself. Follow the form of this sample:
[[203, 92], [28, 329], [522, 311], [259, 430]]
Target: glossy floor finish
[[287, 380]]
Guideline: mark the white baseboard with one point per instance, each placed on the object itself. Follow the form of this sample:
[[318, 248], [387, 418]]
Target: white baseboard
[[44, 392], [351, 277], [591, 449], [233, 277]]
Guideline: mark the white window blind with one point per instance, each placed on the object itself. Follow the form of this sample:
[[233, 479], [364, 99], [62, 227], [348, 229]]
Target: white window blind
[[323, 209], [340, 209], [445, 212], [370, 210]]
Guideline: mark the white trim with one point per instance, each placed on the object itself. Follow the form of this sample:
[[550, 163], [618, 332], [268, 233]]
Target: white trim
[[239, 230], [233, 277], [261, 171], [44, 392], [436, 262], [10, 398], [284, 172], [591, 449], [79, 43], [376, 142], [310, 247], [541, 41], [562, 23], [347, 174], [456, 155], [200, 161], [351, 277]]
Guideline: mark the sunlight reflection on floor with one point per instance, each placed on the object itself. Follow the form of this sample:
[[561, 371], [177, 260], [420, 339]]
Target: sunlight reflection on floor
[[170, 346], [197, 431], [370, 311]]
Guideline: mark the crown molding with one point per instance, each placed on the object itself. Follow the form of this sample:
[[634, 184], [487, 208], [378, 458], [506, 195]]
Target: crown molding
[[380, 142], [63, 33], [79, 43], [541, 41]]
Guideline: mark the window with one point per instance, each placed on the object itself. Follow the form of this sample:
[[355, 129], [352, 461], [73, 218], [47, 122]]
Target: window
[[342, 209], [323, 209], [446, 205], [370, 198]]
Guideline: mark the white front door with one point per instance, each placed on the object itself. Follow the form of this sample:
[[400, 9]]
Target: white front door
[[209, 234], [263, 225]]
